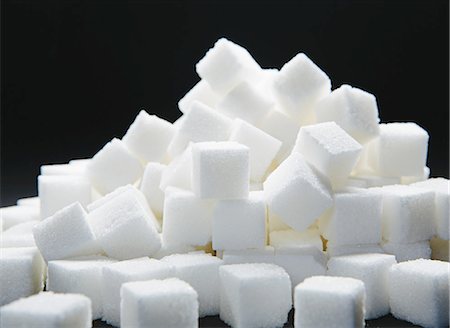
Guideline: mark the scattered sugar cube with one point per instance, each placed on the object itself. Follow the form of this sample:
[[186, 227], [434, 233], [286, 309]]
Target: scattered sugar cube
[[57, 192], [399, 150], [150, 187], [20, 235], [296, 194], [178, 172], [254, 295], [79, 276], [113, 166], [124, 228], [29, 201], [21, 274], [62, 169], [220, 170], [65, 234], [418, 292], [48, 310], [329, 149], [13, 215], [355, 210], [187, 218], [240, 223], [247, 102], [298, 86], [158, 303], [439, 249], [201, 92], [329, 302], [333, 250], [407, 252], [263, 147], [292, 238], [372, 270], [227, 64], [115, 274], [201, 271], [408, 214], [441, 189], [353, 109], [148, 137]]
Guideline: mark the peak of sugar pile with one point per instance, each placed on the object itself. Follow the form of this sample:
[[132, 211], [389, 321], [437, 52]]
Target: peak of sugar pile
[[266, 182]]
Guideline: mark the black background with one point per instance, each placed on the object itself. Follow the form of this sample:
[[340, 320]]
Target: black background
[[75, 73]]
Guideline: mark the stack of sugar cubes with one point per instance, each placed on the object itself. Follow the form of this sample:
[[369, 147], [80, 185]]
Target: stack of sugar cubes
[[270, 192]]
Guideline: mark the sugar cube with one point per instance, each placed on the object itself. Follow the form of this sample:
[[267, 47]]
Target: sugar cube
[[115, 274], [13, 215], [407, 252], [220, 170], [150, 187], [65, 234], [323, 301], [20, 235], [241, 285], [418, 292], [158, 303], [240, 223], [201, 271], [296, 194], [201, 92], [21, 273]]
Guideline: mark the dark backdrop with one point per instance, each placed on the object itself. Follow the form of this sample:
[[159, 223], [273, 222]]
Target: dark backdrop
[[75, 73]]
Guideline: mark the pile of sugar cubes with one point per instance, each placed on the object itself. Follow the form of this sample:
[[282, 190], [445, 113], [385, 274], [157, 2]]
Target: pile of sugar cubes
[[270, 192]]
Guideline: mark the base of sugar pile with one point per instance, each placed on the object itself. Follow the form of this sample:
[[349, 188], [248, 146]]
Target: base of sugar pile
[[271, 192]]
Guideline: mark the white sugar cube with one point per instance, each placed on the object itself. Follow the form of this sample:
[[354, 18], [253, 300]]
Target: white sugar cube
[[57, 192], [407, 252], [148, 137], [440, 249], [418, 292], [372, 270], [247, 102], [299, 85], [353, 109], [329, 149], [227, 64], [29, 201], [441, 189], [150, 187], [115, 274], [336, 250], [79, 276], [65, 234], [124, 227], [355, 210], [20, 235], [158, 303], [399, 150], [263, 147], [187, 218], [113, 166], [408, 214], [329, 302], [13, 215], [201, 92], [240, 223], [178, 172], [220, 170], [254, 295], [296, 194], [201, 271], [292, 238], [48, 310], [21, 273]]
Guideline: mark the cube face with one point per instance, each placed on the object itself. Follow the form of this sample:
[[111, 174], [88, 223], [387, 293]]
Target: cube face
[[150, 187], [241, 286], [407, 214], [355, 210], [353, 109], [159, 303], [62, 169], [299, 85], [201, 92], [48, 310], [263, 147], [292, 238], [372, 270], [329, 149], [19, 235], [240, 224], [187, 218], [427, 304], [148, 137], [113, 166], [220, 170], [13, 215], [400, 150], [57, 192], [329, 302], [65, 234], [408, 252]]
